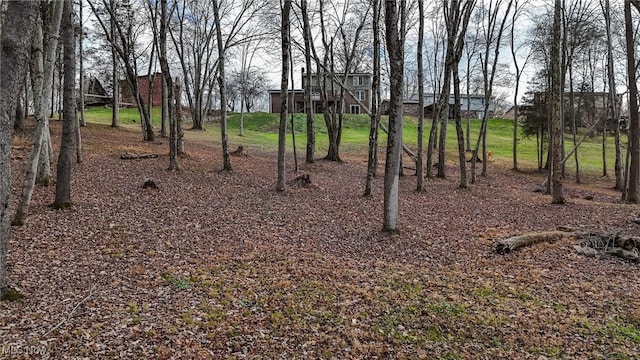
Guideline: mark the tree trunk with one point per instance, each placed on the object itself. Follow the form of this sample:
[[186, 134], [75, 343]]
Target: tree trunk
[[18, 120], [420, 162], [518, 9], [311, 134], [145, 117], [604, 150], [442, 142], [333, 152], [83, 120], [394, 24], [44, 175], [459, 132], [70, 116], [178, 116], [612, 106], [574, 126], [17, 28], [293, 125], [618, 166], [557, 190], [78, 142], [284, 98], [372, 159], [115, 110], [42, 69], [331, 121], [433, 134], [165, 108], [168, 81], [226, 158], [634, 125]]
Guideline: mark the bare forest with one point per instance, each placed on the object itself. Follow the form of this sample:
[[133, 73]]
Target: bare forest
[[205, 179]]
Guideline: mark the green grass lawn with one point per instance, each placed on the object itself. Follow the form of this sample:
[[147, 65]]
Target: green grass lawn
[[261, 131]]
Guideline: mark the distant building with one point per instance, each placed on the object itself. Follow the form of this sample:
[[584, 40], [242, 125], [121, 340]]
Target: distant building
[[591, 109], [509, 114], [126, 95], [471, 106], [94, 93], [357, 83]]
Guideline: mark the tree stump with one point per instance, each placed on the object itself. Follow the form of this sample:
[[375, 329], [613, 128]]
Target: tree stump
[[301, 181], [149, 184], [239, 151]]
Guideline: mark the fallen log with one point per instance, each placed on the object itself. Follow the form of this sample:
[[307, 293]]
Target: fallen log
[[507, 245], [590, 243], [586, 250], [625, 254], [134, 156], [627, 242], [596, 240]]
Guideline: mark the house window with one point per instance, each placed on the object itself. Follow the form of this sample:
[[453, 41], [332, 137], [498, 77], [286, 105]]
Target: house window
[[361, 95], [358, 81], [355, 109]]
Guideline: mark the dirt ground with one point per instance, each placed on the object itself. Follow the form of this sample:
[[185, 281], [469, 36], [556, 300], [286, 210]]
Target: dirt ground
[[219, 265]]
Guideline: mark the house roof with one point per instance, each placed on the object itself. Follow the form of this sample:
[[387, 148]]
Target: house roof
[[340, 72], [277, 91], [414, 96]]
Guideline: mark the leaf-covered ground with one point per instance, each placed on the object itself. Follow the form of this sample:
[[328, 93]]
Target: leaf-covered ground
[[220, 265]]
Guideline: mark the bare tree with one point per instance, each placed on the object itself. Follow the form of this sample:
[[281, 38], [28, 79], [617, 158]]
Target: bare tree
[[42, 69], [284, 85], [168, 80], [245, 60], [395, 30], [614, 110], [457, 15], [308, 43], [70, 115], [557, 190], [493, 42], [518, 10], [634, 126], [437, 76], [341, 29], [420, 162], [83, 120], [193, 35], [123, 42], [473, 43], [223, 91], [581, 32], [249, 86], [115, 78], [17, 27], [372, 160]]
